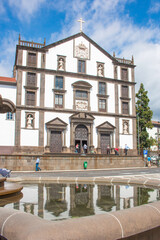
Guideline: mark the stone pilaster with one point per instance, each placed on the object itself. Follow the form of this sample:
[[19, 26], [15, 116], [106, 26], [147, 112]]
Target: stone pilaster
[[17, 127], [41, 128], [117, 131]]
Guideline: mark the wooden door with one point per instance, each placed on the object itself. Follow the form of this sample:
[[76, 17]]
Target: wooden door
[[105, 140], [56, 142]]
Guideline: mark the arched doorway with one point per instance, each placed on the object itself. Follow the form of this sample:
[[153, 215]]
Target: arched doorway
[[81, 137]]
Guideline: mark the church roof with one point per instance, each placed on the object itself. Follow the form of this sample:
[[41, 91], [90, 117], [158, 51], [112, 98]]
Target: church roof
[[7, 80]]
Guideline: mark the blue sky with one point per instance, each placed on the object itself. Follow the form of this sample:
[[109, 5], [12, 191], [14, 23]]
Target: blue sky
[[128, 27]]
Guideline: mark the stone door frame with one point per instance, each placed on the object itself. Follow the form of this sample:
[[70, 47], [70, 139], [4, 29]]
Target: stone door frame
[[56, 125], [85, 119]]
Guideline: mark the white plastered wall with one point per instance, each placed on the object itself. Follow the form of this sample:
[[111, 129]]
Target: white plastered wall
[[7, 127], [49, 85], [29, 137], [24, 59], [111, 98]]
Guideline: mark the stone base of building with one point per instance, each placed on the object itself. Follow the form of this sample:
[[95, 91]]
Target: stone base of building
[[68, 161]]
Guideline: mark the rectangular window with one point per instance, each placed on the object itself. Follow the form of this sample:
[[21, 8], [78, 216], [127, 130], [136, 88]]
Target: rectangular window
[[32, 59], [102, 88], [124, 74], [102, 104], [58, 100], [125, 91], [31, 79], [59, 82], [81, 66], [81, 94], [125, 108], [9, 116], [30, 98]]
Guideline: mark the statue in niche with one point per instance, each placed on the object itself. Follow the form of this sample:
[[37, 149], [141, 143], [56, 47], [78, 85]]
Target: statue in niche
[[125, 128], [61, 64], [29, 121], [100, 70]]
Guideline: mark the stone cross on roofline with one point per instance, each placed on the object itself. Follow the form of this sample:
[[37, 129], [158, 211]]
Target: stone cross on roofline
[[81, 22]]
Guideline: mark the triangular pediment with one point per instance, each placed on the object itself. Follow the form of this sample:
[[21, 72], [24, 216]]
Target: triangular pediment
[[106, 125], [86, 38], [56, 122], [82, 115]]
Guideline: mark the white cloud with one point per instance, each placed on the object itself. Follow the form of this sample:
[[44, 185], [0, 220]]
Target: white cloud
[[8, 53], [24, 9], [155, 8]]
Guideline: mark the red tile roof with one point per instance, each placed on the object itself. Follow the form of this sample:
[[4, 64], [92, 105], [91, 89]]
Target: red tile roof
[[7, 79], [156, 122]]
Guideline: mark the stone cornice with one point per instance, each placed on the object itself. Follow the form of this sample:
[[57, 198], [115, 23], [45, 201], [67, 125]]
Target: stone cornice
[[71, 74]]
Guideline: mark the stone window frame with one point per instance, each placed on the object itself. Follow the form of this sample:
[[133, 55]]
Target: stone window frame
[[103, 96], [81, 86], [101, 109], [82, 60], [126, 68], [124, 97], [30, 90], [127, 121], [64, 59], [32, 65], [28, 86], [33, 114], [100, 63], [59, 92], [125, 101], [58, 105]]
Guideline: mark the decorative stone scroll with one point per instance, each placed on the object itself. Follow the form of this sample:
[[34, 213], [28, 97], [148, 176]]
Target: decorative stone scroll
[[81, 51]]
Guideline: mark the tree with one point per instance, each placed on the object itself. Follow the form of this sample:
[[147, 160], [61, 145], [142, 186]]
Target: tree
[[144, 116]]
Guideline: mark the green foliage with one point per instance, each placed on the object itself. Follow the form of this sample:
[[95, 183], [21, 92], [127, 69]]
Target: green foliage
[[144, 116]]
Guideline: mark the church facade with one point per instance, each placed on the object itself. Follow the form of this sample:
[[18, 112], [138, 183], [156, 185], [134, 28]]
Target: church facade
[[73, 93]]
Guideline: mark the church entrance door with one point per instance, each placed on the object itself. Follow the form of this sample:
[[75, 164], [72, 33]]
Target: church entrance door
[[105, 140], [56, 142], [81, 138]]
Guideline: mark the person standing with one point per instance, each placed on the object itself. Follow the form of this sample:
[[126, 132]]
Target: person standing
[[108, 149], [126, 149], [37, 164], [85, 148]]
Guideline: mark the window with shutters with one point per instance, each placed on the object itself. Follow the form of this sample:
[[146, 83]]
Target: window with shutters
[[32, 59], [30, 98], [125, 108], [125, 92], [124, 74], [31, 79]]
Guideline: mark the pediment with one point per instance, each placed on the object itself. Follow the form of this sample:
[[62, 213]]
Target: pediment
[[82, 84], [106, 125], [82, 116], [57, 122]]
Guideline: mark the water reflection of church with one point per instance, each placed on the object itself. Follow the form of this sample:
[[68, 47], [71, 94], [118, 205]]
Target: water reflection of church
[[61, 201]]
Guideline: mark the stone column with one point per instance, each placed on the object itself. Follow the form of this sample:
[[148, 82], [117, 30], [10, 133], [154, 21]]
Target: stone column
[[116, 99], [17, 128], [41, 129]]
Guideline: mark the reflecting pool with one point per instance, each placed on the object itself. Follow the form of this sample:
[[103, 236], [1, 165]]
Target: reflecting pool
[[61, 201]]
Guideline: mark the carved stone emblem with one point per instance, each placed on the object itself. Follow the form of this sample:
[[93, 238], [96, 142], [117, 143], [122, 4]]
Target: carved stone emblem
[[81, 51], [81, 105]]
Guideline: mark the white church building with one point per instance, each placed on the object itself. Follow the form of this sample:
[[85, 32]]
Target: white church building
[[67, 94]]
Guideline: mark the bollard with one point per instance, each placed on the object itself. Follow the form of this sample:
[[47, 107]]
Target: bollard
[[85, 165]]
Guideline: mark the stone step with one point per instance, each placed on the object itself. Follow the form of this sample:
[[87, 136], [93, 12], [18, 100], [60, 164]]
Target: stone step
[[9, 189]]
